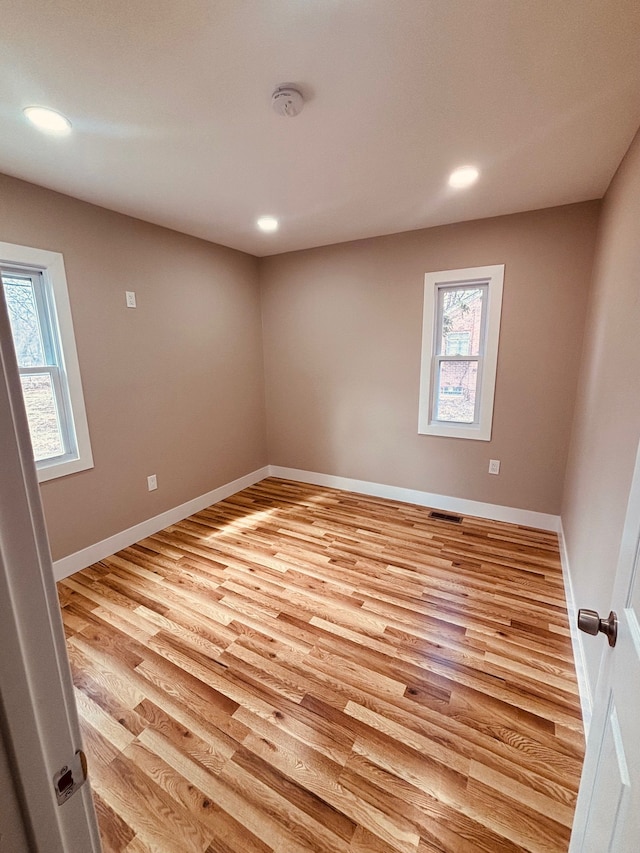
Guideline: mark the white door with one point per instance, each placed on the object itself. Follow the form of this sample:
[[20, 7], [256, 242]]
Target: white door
[[608, 810], [13, 833], [39, 727]]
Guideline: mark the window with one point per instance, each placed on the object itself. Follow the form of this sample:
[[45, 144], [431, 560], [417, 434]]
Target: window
[[35, 292], [461, 325]]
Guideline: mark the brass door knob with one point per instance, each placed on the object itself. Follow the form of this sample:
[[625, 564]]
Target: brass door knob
[[590, 622]]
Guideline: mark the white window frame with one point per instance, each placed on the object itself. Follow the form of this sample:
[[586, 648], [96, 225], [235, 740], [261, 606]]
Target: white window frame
[[491, 278], [51, 264]]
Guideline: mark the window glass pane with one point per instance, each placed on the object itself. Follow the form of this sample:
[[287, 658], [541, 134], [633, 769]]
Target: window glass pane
[[456, 391], [23, 315], [42, 413], [461, 320]]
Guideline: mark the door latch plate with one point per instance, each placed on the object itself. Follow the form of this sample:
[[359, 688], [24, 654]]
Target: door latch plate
[[70, 777]]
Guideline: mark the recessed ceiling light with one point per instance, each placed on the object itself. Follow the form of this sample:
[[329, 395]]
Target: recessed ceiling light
[[48, 121], [463, 177], [268, 223]]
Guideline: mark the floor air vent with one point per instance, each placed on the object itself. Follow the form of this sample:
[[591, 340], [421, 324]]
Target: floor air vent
[[445, 516]]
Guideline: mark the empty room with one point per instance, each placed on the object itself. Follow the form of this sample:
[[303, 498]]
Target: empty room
[[319, 426]]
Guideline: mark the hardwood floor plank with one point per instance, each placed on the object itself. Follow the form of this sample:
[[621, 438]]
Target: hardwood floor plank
[[115, 834], [438, 823], [522, 793], [303, 800], [158, 820], [242, 808], [532, 829], [392, 829], [300, 669]]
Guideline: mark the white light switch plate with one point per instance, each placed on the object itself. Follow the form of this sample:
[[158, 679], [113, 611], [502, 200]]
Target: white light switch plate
[[494, 466], [131, 298]]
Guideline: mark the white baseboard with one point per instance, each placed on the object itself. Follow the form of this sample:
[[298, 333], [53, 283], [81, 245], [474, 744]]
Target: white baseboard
[[81, 559], [495, 512], [582, 673]]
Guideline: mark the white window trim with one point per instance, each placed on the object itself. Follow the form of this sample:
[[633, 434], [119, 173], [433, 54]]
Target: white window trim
[[493, 277], [52, 263]]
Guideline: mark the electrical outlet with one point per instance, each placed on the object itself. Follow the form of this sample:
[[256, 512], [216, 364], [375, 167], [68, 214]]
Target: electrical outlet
[[131, 298], [152, 482], [494, 466]]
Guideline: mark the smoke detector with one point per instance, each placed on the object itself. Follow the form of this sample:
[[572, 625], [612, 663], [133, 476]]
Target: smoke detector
[[287, 101]]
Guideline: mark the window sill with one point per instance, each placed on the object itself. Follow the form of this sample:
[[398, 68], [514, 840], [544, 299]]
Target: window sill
[[53, 470], [473, 431]]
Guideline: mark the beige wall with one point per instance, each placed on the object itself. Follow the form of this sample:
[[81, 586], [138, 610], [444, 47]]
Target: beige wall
[[342, 332], [607, 415], [174, 387]]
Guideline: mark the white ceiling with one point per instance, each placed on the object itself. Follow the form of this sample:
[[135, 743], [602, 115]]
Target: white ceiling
[[170, 102]]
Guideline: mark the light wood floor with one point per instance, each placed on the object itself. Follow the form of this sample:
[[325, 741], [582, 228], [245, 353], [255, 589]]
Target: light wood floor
[[302, 669]]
